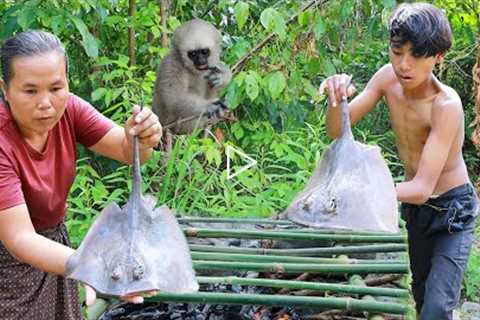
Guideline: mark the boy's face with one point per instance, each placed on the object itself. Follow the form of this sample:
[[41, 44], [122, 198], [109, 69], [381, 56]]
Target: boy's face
[[411, 71]]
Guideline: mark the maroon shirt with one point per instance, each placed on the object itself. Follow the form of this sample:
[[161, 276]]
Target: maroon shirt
[[42, 180]]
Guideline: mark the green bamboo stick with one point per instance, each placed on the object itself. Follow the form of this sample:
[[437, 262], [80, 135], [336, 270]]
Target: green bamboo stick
[[273, 222], [327, 231], [303, 285], [271, 258], [322, 251], [256, 234], [282, 300], [301, 267], [234, 220], [357, 280]]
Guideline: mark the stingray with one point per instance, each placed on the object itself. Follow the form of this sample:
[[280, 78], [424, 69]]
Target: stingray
[[351, 188], [134, 249]]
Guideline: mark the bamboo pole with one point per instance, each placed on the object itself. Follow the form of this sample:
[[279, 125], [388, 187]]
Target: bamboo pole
[[357, 280], [274, 222], [233, 220], [300, 267], [257, 234], [314, 252], [262, 258], [282, 300], [304, 285]]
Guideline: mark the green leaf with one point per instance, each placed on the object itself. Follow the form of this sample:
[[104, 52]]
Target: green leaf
[[155, 31], [389, 4], [309, 88], [240, 48], [98, 94], [276, 84], [237, 130], [267, 18], [273, 21], [25, 17], [89, 42], [252, 87], [213, 155], [304, 18], [328, 67], [173, 23], [57, 24], [319, 28], [242, 11], [280, 26], [233, 95]]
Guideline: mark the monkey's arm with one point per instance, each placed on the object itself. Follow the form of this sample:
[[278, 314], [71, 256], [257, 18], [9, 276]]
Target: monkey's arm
[[179, 94], [219, 76]]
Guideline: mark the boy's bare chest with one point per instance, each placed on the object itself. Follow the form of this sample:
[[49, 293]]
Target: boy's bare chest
[[411, 123], [410, 118]]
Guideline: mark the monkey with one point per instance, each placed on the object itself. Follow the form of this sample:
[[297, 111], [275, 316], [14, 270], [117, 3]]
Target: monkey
[[189, 79]]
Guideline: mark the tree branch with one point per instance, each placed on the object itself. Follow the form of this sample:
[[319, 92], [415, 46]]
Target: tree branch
[[239, 64], [132, 9]]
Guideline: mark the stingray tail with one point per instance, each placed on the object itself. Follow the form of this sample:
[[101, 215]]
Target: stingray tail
[[346, 127], [136, 188], [137, 177]]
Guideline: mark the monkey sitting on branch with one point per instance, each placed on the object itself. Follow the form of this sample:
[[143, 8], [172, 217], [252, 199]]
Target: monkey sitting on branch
[[190, 78]]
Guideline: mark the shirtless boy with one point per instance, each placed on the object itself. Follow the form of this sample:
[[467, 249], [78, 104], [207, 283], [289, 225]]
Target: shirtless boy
[[438, 201]]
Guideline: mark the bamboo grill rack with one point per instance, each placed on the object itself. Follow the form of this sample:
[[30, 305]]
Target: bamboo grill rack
[[327, 260]]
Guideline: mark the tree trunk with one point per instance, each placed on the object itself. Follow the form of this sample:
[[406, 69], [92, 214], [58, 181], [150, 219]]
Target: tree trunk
[[164, 7], [476, 121], [132, 9], [476, 92], [96, 67]]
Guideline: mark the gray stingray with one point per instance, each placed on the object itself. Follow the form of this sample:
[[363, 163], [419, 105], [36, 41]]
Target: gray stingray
[[352, 188], [134, 249]]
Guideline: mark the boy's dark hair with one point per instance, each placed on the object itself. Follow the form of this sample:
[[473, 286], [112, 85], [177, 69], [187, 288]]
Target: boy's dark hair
[[424, 26], [27, 44]]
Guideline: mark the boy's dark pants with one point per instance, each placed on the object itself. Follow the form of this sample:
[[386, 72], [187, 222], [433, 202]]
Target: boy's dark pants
[[440, 235]]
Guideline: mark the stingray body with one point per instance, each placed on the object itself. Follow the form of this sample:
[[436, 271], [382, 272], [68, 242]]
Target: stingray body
[[352, 188], [134, 249]]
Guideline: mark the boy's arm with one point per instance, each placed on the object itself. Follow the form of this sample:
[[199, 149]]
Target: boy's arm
[[446, 120], [336, 88]]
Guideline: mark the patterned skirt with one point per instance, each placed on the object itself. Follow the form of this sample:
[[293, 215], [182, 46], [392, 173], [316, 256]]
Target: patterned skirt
[[28, 293]]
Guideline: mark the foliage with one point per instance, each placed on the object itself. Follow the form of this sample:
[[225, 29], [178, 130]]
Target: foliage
[[472, 278], [274, 94]]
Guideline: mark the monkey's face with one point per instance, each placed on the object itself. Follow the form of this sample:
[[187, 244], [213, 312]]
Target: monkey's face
[[197, 44], [199, 58]]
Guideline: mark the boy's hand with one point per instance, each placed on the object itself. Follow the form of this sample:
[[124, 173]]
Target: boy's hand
[[338, 87]]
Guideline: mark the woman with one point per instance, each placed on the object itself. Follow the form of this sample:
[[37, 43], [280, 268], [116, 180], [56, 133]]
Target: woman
[[40, 124]]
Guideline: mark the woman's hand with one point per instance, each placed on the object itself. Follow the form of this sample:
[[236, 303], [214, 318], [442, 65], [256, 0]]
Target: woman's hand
[[145, 124], [91, 296]]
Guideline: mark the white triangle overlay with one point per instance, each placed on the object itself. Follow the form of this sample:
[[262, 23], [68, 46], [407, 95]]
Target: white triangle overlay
[[251, 162]]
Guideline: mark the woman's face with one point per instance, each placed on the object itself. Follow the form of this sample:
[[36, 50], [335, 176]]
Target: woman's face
[[38, 92]]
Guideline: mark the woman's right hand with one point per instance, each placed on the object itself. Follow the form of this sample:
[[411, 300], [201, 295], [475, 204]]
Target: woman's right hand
[[338, 87], [91, 296]]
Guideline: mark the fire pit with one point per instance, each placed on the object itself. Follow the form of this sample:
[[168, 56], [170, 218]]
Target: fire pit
[[265, 269]]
